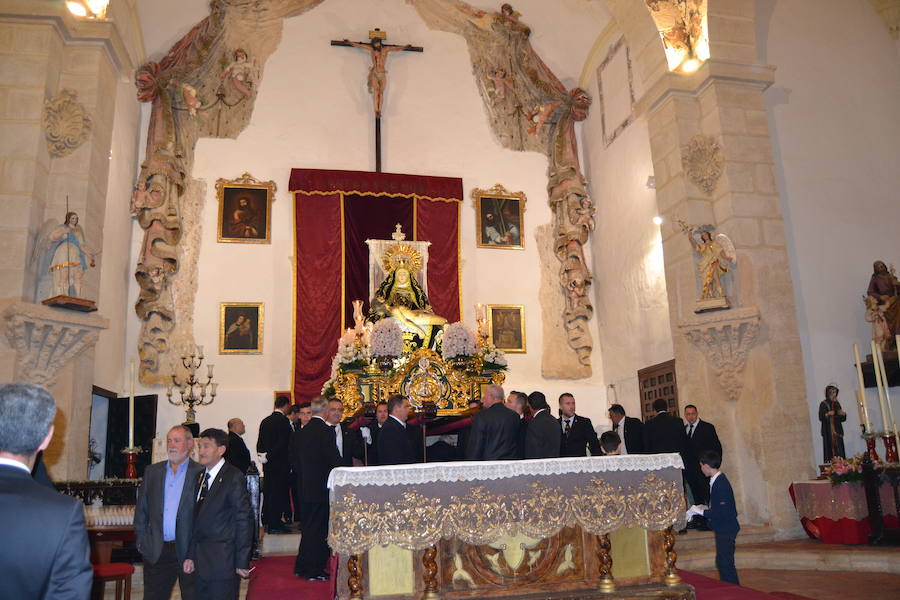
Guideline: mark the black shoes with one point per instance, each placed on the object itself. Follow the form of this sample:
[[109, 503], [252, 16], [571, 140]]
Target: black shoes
[[319, 577], [277, 530]]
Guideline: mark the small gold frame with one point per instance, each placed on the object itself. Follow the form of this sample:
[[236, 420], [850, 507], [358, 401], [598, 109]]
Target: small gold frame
[[287, 393], [506, 327], [504, 227], [241, 343], [241, 225]]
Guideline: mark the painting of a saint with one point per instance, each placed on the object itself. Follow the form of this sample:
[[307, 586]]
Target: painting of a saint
[[240, 328], [507, 327], [244, 210], [499, 218]]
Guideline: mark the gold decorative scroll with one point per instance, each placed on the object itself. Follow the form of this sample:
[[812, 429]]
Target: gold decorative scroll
[[362, 518]]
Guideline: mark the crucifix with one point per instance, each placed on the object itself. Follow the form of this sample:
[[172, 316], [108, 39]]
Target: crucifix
[[377, 75]]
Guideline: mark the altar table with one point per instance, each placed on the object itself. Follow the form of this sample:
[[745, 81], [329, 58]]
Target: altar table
[[508, 528], [837, 514]]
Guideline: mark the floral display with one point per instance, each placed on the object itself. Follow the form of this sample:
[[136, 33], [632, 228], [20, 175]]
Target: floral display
[[459, 341], [493, 358], [387, 339], [845, 470], [350, 355]]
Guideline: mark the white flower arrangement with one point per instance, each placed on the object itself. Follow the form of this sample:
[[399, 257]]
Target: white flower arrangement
[[492, 355], [458, 341], [387, 338], [349, 353]]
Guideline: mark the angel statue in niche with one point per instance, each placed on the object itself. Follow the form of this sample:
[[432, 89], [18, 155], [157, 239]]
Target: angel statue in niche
[[61, 257], [716, 258]]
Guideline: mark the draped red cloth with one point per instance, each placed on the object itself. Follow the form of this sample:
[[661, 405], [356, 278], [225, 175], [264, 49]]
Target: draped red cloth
[[335, 212]]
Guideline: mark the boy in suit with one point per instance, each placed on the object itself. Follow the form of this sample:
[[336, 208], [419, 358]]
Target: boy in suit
[[222, 536], [721, 515]]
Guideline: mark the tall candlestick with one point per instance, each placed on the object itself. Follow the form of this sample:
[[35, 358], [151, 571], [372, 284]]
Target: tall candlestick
[[862, 389], [131, 409], [878, 383], [892, 429]]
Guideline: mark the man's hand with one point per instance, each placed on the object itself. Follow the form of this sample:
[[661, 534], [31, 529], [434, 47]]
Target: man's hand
[[188, 566], [243, 573]]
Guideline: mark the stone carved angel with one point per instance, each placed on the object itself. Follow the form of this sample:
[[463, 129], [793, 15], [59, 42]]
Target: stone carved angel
[[716, 257]]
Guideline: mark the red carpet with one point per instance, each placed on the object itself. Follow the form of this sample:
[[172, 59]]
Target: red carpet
[[273, 579]]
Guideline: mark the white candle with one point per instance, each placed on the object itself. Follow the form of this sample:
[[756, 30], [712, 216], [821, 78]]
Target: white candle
[[878, 382], [887, 395], [862, 389], [479, 312], [200, 351], [131, 408]]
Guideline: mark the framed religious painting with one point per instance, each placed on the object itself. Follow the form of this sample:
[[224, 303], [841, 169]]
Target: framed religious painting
[[500, 218], [506, 327], [283, 394], [245, 210], [240, 327]]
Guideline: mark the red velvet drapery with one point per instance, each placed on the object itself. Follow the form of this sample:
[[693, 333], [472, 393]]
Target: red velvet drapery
[[334, 213]]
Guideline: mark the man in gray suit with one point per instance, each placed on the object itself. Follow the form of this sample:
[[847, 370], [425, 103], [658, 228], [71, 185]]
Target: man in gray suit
[[164, 517]]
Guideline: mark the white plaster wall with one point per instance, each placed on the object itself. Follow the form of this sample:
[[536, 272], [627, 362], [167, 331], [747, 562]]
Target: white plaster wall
[[632, 308], [834, 114], [313, 111], [115, 264]]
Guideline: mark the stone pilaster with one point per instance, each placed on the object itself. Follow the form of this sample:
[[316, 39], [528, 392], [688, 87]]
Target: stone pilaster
[[742, 367]]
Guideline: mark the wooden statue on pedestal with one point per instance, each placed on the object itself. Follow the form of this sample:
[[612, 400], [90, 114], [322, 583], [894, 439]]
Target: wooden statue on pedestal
[[61, 256]]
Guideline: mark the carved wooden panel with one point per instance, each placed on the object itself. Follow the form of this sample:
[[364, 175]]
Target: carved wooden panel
[[656, 382]]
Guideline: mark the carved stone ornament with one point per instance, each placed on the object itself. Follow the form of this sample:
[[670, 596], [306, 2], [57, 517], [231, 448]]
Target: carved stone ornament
[[703, 160], [66, 123], [47, 339], [889, 11], [725, 338]]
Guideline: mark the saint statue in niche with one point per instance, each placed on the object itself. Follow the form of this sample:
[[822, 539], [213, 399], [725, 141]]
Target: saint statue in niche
[[832, 416], [62, 258], [715, 258], [402, 297], [882, 305]]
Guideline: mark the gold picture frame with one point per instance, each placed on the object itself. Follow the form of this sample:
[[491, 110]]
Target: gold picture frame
[[237, 335], [500, 217], [245, 210], [506, 327], [286, 393]]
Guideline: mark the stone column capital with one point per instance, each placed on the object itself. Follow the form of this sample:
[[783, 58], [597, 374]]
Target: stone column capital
[[725, 338], [47, 339]]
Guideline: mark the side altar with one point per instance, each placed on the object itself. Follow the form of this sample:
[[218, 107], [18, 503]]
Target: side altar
[[402, 347], [564, 528]]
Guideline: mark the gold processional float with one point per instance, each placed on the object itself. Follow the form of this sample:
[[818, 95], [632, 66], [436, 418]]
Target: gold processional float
[[402, 347]]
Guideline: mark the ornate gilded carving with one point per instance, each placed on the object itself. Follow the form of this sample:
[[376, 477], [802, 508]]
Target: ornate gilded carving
[[66, 123], [429, 574], [671, 578], [604, 560], [531, 110], [725, 338], [354, 577], [46, 339], [482, 516], [703, 162]]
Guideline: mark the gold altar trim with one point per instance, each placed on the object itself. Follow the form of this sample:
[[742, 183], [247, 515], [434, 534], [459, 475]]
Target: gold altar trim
[[482, 513], [377, 194]]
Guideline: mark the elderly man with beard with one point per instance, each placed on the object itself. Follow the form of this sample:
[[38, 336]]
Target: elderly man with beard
[[164, 516]]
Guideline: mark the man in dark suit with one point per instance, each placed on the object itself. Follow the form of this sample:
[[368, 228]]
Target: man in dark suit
[[394, 444], [313, 456], [222, 535], [543, 438], [494, 429], [721, 515], [45, 553], [274, 437], [164, 515], [629, 429], [348, 442], [237, 454], [516, 402], [701, 436], [578, 435], [371, 432], [664, 432]]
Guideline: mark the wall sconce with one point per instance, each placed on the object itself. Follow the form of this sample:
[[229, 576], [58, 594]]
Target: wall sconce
[[88, 9]]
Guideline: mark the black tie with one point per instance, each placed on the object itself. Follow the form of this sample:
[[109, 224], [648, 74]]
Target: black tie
[[568, 427], [204, 487], [691, 431], [616, 427]]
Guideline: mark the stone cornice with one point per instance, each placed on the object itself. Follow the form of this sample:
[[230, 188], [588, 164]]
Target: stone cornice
[[669, 84], [75, 31], [47, 339]]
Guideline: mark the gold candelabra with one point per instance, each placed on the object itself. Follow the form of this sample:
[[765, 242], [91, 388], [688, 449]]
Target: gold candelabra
[[192, 390]]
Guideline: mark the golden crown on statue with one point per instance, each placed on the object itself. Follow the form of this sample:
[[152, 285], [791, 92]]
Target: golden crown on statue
[[401, 255]]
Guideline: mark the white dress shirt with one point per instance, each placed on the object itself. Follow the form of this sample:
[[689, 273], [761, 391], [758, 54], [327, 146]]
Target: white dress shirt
[[14, 463], [212, 476]]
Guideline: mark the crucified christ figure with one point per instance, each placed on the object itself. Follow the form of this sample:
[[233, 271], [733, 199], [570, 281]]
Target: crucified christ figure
[[377, 73]]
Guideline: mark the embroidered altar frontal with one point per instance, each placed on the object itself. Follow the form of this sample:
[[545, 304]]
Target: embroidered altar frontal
[[335, 212], [510, 529]]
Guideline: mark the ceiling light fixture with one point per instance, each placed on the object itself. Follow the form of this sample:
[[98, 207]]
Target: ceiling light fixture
[[88, 9]]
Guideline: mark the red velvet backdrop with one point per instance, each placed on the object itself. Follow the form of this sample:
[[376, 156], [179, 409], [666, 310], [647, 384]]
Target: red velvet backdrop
[[334, 213]]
